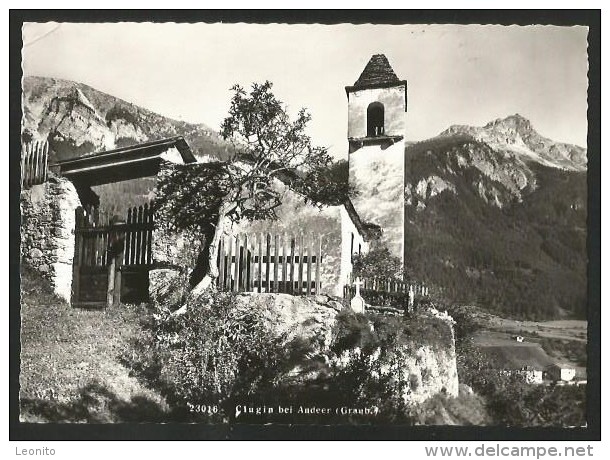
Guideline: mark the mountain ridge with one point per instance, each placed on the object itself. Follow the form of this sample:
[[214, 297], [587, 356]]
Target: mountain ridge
[[515, 135], [78, 119]]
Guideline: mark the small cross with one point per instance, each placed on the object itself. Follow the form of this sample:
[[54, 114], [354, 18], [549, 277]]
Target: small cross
[[358, 283]]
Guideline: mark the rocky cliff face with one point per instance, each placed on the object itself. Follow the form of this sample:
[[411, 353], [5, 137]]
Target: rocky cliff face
[[77, 119], [442, 164], [501, 157]]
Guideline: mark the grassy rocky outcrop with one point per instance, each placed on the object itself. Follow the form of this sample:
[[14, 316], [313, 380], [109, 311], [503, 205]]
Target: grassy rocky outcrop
[[275, 350]]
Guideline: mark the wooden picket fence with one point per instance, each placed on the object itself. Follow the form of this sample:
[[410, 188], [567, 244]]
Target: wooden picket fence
[[138, 236], [98, 267], [270, 263], [34, 163], [390, 286], [384, 292]]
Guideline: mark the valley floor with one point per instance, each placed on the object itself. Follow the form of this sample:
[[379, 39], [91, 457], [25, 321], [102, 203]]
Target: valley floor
[[562, 329], [560, 341]]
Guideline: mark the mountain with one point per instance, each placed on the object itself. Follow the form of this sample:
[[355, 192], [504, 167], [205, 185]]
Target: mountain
[[514, 135], [496, 216], [77, 119]]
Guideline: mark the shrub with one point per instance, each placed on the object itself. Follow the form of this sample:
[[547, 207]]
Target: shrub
[[223, 353], [214, 354], [374, 374], [574, 350], [352, 330], [466, 324], [381, 265], [66, 148], [466, 409], [371, 331], [398, 300], [378, 263], [118, 112], [362, 380]]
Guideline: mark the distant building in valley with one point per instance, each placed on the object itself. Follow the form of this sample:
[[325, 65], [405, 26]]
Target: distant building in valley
[[560, 372]]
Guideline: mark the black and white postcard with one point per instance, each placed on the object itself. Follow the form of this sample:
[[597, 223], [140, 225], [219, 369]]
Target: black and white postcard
[[262, 223]]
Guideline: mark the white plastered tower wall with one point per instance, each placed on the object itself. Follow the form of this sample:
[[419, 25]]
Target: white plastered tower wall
[[352, 242], [377, 158]]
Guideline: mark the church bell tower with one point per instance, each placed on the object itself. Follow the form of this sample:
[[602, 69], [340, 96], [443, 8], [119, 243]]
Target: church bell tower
[[377, 105]]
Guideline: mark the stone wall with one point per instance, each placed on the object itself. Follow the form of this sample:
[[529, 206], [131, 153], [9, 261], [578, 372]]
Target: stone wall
[[47, 232]]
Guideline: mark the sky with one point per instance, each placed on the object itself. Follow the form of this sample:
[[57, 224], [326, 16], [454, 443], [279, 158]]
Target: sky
[[456, 74]]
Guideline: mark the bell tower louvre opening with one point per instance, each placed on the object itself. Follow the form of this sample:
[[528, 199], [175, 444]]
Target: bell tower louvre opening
[[374, 119]]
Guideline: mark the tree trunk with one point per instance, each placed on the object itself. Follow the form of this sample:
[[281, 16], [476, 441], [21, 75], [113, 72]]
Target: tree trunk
[[210, 277]]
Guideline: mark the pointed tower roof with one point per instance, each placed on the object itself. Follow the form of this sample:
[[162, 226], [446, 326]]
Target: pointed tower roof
[[378, 71]]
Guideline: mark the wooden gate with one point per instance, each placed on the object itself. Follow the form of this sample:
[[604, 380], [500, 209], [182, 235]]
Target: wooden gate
[[112, 257]]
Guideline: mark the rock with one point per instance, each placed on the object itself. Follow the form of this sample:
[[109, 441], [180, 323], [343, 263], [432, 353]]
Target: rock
[[432, 186], [301, 320], [43, 268], [429, 368], [321, 298], [335, 304], [35, 253]]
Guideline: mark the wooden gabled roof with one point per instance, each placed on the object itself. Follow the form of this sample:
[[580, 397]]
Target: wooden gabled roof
[[132, 162]]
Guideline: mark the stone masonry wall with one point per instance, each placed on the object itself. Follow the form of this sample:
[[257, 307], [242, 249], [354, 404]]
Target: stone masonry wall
[[47, 232]]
